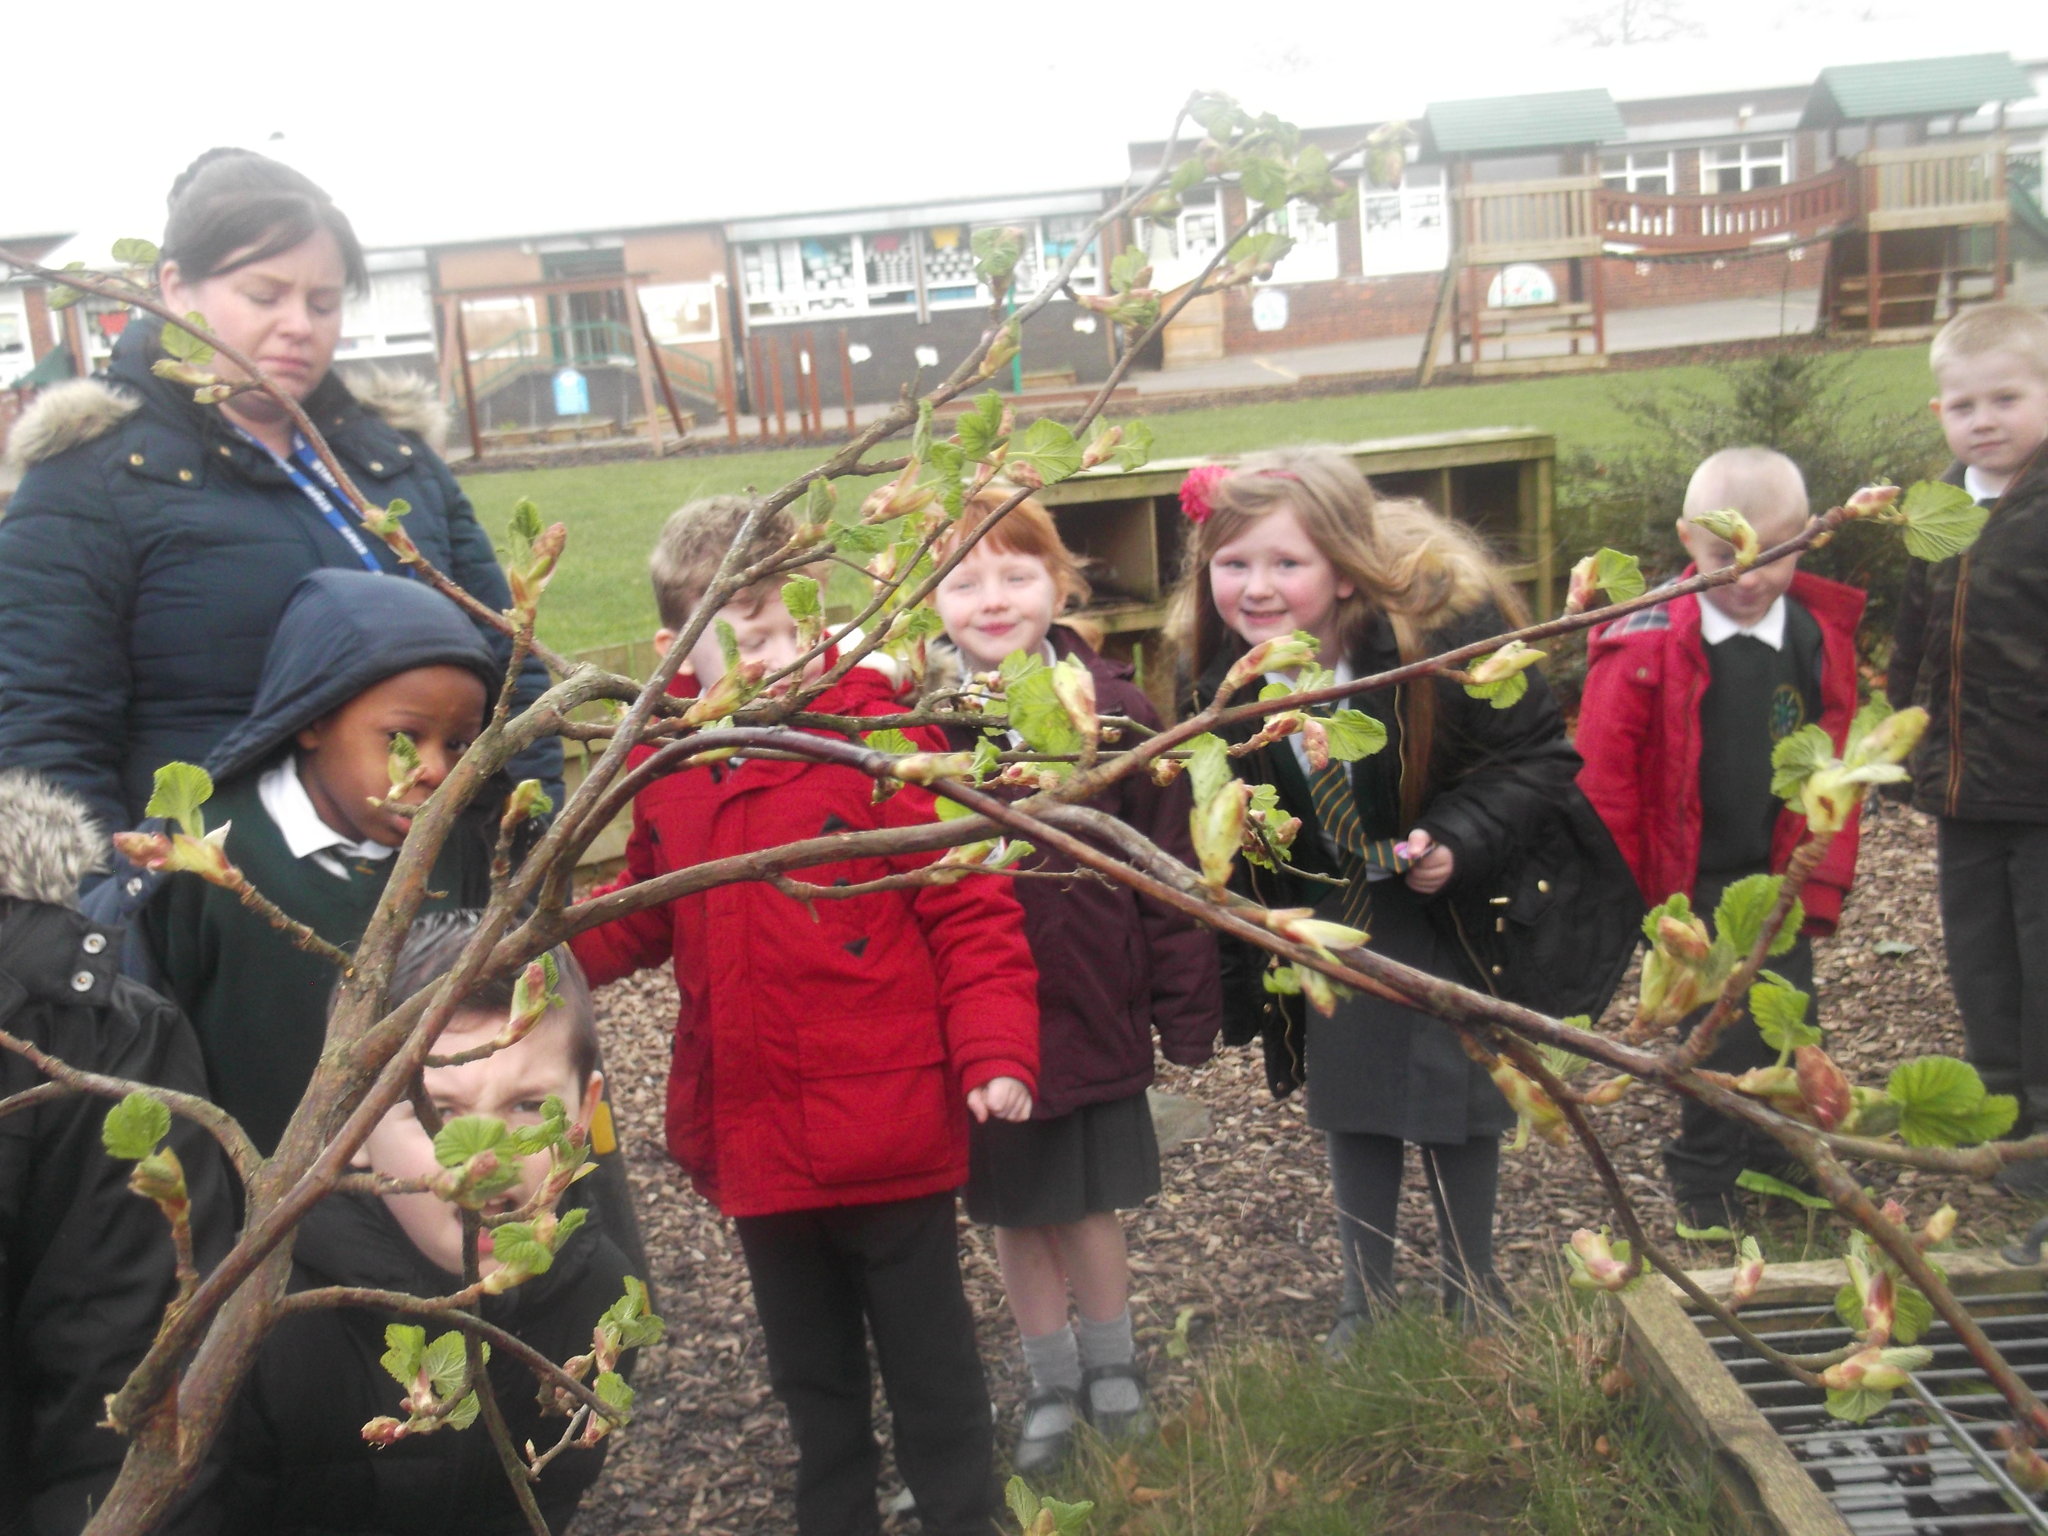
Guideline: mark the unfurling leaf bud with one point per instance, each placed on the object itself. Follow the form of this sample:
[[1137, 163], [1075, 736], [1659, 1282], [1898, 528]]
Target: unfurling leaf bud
[[1729, 524], [1823, 1086], [1101, 447], [1579, 596], [1749, 1274], [1504, 663], [1598, 1264], [1940, 1228], [1534, 1109], [160, 1177], [1315, 741], [1872, 501], [1283, 653], [1074, 686], [1609, 1092], [1684, 937], [738, 685], [1297, 924], [2025, 1464], [1218, 826], [526, 801], [928, 767], [1889, 741], [205, 856]]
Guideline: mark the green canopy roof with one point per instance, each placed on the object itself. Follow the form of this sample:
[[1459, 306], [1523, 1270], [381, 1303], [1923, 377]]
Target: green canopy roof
[[1860, 93], [1495, 124]]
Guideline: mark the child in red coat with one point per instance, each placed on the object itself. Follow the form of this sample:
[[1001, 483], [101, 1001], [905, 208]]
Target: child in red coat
[[1683, 705], [822, 1054]]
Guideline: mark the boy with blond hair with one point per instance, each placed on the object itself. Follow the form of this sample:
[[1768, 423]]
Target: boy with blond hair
[[1683, 705], [1971, 648], [827, 1055]]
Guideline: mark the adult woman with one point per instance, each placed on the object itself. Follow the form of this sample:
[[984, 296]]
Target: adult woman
[[152, 543]]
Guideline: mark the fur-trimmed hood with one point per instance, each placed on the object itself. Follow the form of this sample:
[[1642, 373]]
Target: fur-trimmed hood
[[48, 843], [66, 415]]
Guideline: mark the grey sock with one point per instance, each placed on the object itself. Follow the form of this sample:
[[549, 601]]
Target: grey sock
[[1054, 1360], [1111, 1343]]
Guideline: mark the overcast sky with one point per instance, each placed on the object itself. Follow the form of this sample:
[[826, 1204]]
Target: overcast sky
[[429, 121]]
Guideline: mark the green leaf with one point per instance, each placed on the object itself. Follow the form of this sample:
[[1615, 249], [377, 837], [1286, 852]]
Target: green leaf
[[1124, 269], [516, 1246], [1941, 520], [445, 1365], [804, 599], [1780, 1014], [464, 1413], [728, 644], [1797, 757], [1208, 765], [526, 523], [1037, 715], [1620, 576], [614, 1393], [987, 760], [1764, 1184], [996, 253], [135, 1127], [132, 252], [1264, 183], [1893, 949], [1704, 1234], [1678, 905], [1068, 1519], [553, 1124], [1504, 693], [921, 435], [404, 1344], [1022, 1501], [178, 793], [1019, 664], [1912, 1312], [1266, 248], [1132, 449], [1354, 734], [981, 427], [862, 540], [182, 344], [890, 740], [1942, 1103], [1048, 447], [1744, 905], [1857, 1404], [465, 1136], [632, 1317]]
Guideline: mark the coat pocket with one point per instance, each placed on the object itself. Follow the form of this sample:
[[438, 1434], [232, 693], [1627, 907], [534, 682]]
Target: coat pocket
[[877, 1101]]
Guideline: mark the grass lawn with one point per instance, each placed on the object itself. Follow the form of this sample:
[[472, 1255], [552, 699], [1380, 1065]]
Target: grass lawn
[[613, 510]]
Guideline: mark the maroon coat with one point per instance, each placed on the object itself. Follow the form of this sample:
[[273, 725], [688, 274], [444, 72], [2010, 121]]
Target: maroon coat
[[1112, 966], [1639, 732], [821, 1058]]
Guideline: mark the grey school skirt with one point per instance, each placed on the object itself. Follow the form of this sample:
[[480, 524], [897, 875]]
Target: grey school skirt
[[1048, 1173]]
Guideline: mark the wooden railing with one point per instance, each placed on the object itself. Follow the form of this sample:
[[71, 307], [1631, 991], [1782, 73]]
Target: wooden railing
[[1790, 214], [1935, 184], [1528, 220]]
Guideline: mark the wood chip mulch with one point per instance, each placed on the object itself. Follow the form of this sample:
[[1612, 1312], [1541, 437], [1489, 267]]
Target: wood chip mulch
[[1242, 1233]]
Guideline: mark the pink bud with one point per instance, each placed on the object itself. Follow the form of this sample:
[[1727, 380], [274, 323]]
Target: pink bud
[[1823, 1086], [1684, 937], [1580, 595], [1872, 500], [1748, 1276]]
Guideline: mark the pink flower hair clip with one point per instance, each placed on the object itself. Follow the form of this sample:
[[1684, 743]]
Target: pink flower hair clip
[[1198, 487]]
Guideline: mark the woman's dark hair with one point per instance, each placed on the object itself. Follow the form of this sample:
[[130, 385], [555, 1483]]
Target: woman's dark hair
[[231, 207]]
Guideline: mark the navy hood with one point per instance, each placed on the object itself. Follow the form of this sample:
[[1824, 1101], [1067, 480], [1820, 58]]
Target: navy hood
[[342, 633]]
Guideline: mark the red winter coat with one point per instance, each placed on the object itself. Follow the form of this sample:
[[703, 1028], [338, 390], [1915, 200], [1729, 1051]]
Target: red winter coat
[[820, 1059], [1112, 966], [1639, 732]]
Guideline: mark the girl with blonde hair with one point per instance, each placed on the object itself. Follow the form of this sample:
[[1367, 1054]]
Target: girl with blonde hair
[[1296, 540]]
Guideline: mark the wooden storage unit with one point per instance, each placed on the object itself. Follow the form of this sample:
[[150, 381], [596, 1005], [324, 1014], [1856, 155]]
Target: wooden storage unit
[[1127, 523]]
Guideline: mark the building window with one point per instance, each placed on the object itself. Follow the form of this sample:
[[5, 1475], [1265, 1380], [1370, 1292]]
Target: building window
[[1182, 245], [1313, 258], [1405, 228], [1647, 174], [1746, 167], [1063, 231]]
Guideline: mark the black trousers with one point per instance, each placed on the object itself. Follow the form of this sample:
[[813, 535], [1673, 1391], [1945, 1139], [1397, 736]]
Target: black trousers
[[1710, 1151], [1464, 1178], [823, 1279], [1994, 925]]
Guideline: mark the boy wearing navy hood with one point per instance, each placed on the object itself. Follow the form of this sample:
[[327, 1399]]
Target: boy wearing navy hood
[[356, 660]]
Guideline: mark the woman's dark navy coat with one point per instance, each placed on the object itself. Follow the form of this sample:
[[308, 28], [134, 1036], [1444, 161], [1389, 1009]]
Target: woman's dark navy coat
[[149, 550]]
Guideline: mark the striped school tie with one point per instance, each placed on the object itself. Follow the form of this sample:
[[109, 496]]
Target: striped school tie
[[1329, 790]]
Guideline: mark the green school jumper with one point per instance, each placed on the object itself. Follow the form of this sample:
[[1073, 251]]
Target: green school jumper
[[257, 1001]]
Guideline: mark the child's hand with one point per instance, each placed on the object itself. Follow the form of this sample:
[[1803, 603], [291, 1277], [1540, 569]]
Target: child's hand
[[1430, 869], [1003, 1097]]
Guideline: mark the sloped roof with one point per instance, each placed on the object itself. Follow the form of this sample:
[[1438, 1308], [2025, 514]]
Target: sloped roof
[[1493, 124], [1859, 93]]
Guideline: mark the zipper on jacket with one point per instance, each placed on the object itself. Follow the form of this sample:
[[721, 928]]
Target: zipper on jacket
[[1955, 684], [1465, 943]]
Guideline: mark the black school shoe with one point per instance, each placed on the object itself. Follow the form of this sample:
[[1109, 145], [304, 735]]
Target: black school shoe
[[1116, 1423], [1041, 1451]]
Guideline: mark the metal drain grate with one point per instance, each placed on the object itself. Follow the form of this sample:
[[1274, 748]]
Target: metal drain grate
[[1928, 1465]]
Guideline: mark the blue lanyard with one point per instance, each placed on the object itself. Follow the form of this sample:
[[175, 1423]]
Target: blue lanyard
[[313, 477]]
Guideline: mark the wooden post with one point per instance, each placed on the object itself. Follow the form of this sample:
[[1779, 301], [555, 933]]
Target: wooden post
[[644, 365], [775, 382], [2001, 238], [668, 393], [809, 406], [846, 379], [728, 381], [476, 431], [1599, 304], [757, 380]]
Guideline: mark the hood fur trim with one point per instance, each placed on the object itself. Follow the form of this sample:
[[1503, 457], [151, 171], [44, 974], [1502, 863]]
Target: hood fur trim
[[47, 841], [411, 402], [65, 415]]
